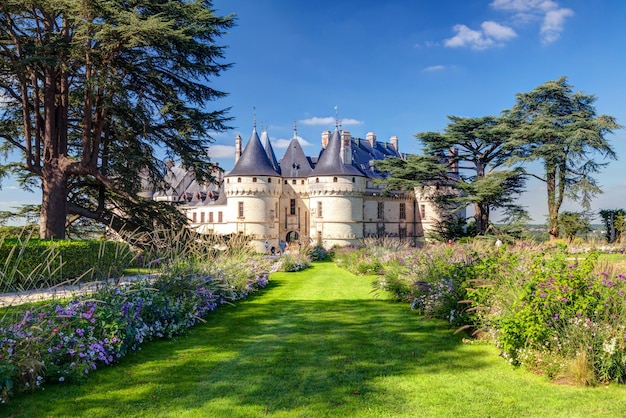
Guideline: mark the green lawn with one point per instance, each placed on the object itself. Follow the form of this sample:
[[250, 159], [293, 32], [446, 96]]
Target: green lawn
[[317, 344]]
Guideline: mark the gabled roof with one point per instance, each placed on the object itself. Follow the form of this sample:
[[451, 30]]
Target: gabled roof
[[254, 160], [265, 140], [295, 163], [330, 163]]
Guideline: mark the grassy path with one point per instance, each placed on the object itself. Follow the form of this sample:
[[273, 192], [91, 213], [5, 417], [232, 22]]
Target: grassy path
[[316, 344]]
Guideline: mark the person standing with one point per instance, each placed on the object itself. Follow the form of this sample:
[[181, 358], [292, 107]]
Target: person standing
[[281, 244]]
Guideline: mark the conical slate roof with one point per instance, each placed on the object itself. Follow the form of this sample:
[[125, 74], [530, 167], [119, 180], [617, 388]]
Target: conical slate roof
[[330, 163], [254, 160], [295, 163], [265, 140]]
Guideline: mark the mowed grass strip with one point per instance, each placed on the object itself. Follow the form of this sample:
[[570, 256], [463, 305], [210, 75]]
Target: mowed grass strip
[[317, 343]]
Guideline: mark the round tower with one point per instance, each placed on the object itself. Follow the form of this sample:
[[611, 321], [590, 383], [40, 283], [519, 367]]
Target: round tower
[[336, 190], [252, 190]]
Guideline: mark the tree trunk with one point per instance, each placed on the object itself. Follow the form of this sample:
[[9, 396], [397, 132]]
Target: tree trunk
[[481, 216], [53, 202]]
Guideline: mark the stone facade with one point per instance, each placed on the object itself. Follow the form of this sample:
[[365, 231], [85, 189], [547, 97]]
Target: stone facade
[[329, 200]]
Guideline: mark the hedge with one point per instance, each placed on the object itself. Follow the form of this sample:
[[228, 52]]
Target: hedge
[[37, 263]]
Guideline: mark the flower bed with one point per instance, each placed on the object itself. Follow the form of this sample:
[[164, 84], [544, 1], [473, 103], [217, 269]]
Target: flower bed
[[66, 342], [556, 313]]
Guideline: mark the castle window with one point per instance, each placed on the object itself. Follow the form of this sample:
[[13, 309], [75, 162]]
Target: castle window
[[253, 179], [423, 211], [269, 179], [292, 206], [227, 180], [403, 210], [285, 182], [241, 209], [194, 218], [381, 210], [210, 217], [220, 218], [294, 181], [317, 180], [238, 179], [353, 180], [334, 179], [319, 209], [302, 182], [202, 217]]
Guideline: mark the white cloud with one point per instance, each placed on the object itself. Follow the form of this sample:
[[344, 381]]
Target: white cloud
[[551, 14], [520, 12], [491, 34], [434, 68], [318, 121], [221, 151], [497, 31], [552, 25], [283, 143], [329, 121]]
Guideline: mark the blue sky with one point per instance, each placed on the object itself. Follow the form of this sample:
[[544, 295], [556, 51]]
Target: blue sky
[[400, 67]]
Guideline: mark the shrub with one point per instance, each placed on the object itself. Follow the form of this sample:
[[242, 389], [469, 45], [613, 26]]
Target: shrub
[[34, 263], [293, 262]]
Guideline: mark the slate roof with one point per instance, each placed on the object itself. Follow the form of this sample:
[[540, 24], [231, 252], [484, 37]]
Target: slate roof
[[254, 160], [265, 140], [295, 163], [330, 163]]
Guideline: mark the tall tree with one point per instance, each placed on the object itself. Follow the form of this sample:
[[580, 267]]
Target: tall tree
[[560, 128], [469, 158], [93, 88]]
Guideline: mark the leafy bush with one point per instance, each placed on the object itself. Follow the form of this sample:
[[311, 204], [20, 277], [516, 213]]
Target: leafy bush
[[34, 263], [292, 262], [319, 253]]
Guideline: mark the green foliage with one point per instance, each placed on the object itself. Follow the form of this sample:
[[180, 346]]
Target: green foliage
[[33, 263], [319, 253], [560, 128], [122, 80], [293, 262], [614, 222], [574, 224]]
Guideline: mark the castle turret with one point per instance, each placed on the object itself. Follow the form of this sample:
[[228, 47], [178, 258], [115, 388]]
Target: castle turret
[[253, 189]]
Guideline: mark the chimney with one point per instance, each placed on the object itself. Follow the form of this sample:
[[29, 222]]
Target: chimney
[[394, 142], [371, 138], [325, 139], [346, 147], [237, 147]]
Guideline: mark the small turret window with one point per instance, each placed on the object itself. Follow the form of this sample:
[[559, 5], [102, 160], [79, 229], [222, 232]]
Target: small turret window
[[269, 179], [238, 179], [334, 179], [353, 180], [294, 181], [302, 182], [253, 179], [317, 180]]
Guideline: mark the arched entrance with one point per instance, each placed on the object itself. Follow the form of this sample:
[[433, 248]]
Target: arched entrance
[[292, 236]]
